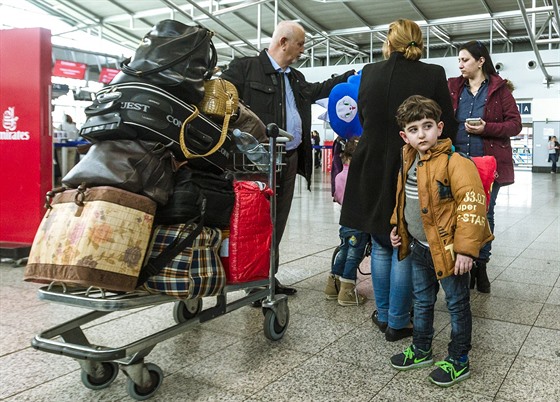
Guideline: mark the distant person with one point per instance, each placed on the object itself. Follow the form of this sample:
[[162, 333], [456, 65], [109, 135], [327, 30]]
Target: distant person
[[316, 140], [442, 241], [341, 282], [69, 127], [553, 152], [372, 178], [479, 92]]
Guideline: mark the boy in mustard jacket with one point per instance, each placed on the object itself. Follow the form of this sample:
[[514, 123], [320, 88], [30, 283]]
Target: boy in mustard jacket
[[439, 218]]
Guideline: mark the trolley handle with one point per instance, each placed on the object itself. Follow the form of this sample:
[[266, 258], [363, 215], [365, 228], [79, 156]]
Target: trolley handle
[[272, 130]]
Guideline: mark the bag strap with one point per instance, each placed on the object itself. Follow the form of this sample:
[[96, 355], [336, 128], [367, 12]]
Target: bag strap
[[156, 264], [125, 68], [223, 135]]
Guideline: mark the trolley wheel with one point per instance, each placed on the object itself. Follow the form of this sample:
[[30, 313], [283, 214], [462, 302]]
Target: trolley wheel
[[141, 393], [186, 309], [273, 330], [110, 371]]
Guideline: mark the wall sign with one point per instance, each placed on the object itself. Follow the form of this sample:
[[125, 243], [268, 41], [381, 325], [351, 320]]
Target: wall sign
[[524, 108], [69, 69], [107, 74]]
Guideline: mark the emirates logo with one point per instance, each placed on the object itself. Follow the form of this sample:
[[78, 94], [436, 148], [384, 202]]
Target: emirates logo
[[9, 122]]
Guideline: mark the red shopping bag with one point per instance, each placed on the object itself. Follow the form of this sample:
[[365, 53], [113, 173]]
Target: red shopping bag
[[250, 233]]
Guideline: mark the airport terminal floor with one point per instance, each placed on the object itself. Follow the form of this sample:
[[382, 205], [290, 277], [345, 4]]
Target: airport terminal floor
[[329, 352]]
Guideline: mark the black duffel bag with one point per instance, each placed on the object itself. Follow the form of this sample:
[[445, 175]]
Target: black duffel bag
[[175, 57], [144, 111], [183, 205]]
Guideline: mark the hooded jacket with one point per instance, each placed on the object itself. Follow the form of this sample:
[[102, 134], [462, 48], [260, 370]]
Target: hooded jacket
[[502, 122], [452, 205]]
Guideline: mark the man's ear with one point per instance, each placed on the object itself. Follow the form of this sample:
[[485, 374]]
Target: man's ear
[[404, 137], [440, 128]]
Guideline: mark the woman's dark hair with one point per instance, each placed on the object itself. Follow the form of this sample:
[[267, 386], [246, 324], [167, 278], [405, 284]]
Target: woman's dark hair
[[478, 50]]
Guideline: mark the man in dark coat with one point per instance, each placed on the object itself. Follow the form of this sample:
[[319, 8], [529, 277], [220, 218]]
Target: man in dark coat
[[279, 94]]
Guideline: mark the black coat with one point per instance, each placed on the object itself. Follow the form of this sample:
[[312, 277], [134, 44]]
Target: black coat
[[369, 198], [260, 87]]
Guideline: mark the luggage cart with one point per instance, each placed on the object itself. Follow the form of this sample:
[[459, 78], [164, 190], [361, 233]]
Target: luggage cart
[[100, 364]]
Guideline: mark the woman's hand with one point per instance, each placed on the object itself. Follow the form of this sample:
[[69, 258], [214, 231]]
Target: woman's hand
[[395, 238], [477, 129], [463, 264]]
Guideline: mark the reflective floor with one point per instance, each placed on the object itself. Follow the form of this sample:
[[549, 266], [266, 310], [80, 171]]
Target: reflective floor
[[329, 352]]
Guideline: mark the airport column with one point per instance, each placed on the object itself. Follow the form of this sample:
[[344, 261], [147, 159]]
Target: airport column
[[25, 135]]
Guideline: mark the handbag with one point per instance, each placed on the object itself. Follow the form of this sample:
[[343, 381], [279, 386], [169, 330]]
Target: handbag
[[175, 57], [248, 122], [219, 102], [189, 185], [196, 271], [142, 167], [92, 237]]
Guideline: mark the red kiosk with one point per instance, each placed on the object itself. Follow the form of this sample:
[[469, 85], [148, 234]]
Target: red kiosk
[[25, 136]]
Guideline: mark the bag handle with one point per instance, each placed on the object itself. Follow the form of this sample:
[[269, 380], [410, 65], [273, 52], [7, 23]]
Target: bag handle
[[156, 264], [223, 135], [125, 68]]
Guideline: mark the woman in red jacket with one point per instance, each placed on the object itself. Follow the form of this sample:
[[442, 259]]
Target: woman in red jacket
[[488, 116]]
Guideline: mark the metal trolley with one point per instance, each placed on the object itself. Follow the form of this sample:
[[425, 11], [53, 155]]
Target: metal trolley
[[100, 364]]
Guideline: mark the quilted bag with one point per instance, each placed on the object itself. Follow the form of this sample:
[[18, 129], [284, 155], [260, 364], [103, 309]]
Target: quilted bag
[[92, 237], [196, 271]]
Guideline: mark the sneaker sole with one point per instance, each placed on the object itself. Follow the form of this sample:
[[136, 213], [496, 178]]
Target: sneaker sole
[[331, 297], [414, 366], [448, 384]]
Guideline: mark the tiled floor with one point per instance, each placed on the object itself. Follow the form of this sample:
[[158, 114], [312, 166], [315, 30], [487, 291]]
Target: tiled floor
[[329, 353]]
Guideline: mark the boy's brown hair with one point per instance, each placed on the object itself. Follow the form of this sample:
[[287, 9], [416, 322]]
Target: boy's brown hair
[[416, 108]]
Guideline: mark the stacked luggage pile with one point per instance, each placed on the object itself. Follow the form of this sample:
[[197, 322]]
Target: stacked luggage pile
[[153, 212]]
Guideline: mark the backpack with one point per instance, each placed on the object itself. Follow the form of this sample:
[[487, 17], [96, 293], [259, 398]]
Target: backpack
[[486, 166]]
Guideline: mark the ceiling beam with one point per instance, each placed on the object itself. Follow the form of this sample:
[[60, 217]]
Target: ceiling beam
[[178, 9], [547, 76]]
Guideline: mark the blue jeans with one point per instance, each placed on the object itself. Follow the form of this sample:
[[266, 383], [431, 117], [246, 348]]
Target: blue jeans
[[554, 159], [352, 247], [392, 285], [485, 250], [425, 288]]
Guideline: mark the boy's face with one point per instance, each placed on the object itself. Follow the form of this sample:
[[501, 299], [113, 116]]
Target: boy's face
[[422, 134]]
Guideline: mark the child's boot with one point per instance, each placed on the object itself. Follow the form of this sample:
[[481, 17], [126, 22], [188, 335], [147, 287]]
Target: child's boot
[[333, 287], [348, 296]]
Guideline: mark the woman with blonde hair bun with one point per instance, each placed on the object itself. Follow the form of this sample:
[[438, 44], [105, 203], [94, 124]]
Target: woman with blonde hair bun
[[369, 198]]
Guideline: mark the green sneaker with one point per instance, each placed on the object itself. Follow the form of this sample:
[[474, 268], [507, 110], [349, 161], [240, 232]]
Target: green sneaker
[[449, 372], [411, 358]]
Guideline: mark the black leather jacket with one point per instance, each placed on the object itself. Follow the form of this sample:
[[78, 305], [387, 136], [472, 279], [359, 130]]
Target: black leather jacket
[[262, 89]]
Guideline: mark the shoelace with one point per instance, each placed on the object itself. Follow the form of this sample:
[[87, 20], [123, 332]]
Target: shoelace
[[409, 353], [448, 367]]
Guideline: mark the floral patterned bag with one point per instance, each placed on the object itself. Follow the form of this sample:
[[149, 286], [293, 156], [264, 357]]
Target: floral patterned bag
[[92, 237]]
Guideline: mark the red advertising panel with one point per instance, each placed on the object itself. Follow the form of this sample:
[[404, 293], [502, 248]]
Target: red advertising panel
[[69, 69], [107, 74], [25, 140]]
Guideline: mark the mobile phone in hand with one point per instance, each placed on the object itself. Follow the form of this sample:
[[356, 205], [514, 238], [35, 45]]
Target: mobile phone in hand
[[474, 121]]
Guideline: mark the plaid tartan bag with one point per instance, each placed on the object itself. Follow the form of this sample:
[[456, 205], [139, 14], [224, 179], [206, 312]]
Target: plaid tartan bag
[[196, 271]]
